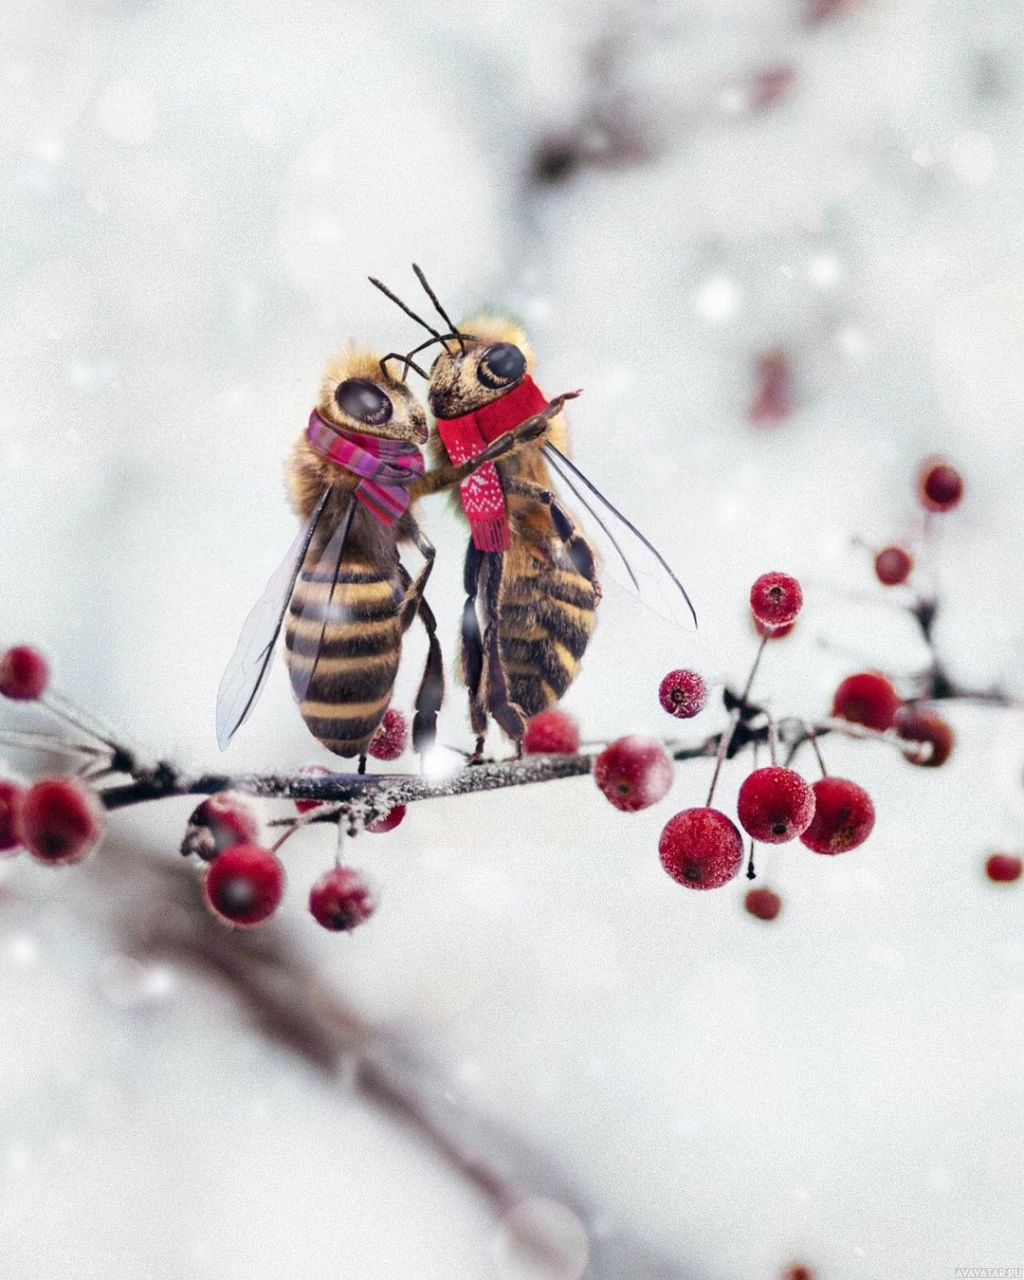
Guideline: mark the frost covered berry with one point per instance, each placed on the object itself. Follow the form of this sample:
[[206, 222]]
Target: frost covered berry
[[24, 674], [1003, 868], [867, 698], [775, 599], [222, 820], [551, 732], [387, 821], [762, 903], [775, 805], [244, 885], [389, 741], [304, 806], [340, 900], [12, 797], [919, 724], [893, 565], [682, 694], [701, 848], [633, 773], [939, 485], [61, 821], [843, 816]]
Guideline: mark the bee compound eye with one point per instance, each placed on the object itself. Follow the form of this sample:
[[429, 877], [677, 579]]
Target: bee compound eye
[[363, 400], [503, 363]]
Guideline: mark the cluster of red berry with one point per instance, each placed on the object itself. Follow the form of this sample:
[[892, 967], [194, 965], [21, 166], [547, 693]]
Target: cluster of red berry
[[58, 821], [244, 882]]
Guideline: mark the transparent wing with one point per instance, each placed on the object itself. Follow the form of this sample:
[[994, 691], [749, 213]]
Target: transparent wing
[[319, 583], [246, 673], [628, 556]]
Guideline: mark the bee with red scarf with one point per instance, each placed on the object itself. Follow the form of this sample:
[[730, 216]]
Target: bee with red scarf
[[531, 575], [342, 595]]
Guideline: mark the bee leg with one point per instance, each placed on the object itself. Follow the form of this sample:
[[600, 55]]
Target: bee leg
[[579, 551], [472, 650], [431, 691], [499, 704], [414, 593]]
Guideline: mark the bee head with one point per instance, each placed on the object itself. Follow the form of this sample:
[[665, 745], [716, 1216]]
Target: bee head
[[483, 368], [358, 394]]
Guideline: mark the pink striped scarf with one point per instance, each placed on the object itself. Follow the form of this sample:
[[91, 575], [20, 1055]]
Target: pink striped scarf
[[387, 467]]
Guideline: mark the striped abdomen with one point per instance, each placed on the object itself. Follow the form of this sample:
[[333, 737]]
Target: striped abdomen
[[546, 618], [359, 650]]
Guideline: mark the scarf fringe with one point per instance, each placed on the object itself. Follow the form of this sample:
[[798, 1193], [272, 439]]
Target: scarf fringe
[[492, 535]]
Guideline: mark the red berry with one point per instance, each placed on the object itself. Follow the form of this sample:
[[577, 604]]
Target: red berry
[[939, 486], [843, 816], [683, 694], [1003, 868], [763, 903], [340, 900], [701, 848], [798, 1272], [867, 698], [893, 565], [919, 724], [775, 599], [775, 805], [633, 773], [551, 733], [389, 741], [222, 820], [244, 885], [773, 399], [12, 797], [62, 821], [304, 806], [387, 821], [24, 674]]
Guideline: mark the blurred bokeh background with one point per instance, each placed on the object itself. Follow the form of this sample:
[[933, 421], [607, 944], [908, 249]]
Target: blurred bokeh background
[[778, 242]]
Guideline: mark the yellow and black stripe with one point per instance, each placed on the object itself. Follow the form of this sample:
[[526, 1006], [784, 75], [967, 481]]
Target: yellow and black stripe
[[348, 632], [546, 619]]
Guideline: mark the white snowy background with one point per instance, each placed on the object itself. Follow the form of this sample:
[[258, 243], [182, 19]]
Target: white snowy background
[[191, 197]]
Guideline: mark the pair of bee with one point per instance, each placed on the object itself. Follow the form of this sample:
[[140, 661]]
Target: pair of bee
[[343, 596]]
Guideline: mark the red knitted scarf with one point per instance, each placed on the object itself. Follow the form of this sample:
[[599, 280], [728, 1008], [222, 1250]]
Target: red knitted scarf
[[483, 498]]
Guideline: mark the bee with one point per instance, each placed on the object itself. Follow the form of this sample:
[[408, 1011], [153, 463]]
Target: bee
[[353, 476], [531, 575]]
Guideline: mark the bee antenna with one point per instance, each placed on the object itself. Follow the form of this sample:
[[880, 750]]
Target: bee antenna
[[406, 364], [440, 310], [399, 303]]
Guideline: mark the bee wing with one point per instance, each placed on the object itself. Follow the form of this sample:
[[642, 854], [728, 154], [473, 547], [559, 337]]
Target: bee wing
[[321, 569], [246, 673], [630, 557]]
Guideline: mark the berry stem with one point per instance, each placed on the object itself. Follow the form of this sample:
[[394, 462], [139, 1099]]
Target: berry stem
[[751, 873], [773, 741], [32, 740], [812, 738], [63, 709], [753, 670], [723, 747], [339, 843]]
